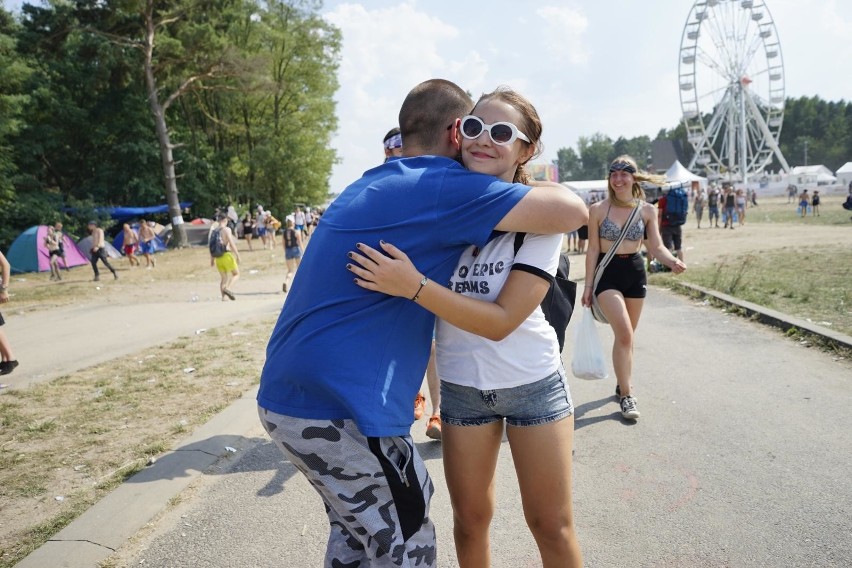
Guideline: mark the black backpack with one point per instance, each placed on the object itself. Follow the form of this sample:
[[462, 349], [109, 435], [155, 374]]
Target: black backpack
[[558, 303], [216, 244]]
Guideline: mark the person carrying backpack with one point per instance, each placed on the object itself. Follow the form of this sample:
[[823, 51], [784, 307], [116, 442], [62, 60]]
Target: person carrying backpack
[[224, 255], [672, 209]]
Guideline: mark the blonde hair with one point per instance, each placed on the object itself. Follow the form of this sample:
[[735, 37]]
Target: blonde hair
[[638, 177], [530, 124]]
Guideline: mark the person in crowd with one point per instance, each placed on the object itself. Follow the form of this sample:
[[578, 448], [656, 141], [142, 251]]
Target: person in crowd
[[51, 243], [713, 206], [344, 421], [513, 374], [622, 288], [98, 250], [293, 250], [698, 201], [260, 226], [392, 143], [146, 243], [300, 221], [60, 237], [804, 203], [815, 204], [131, 240], [309, 221], [233, 219], [582, 239], [7, 356], [730, 203], [573, 237], [226, 263], [248, 229], [848, 203], [741, 206], [671, 233]]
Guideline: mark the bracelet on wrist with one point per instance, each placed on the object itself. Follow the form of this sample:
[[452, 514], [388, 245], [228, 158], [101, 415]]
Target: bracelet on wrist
[[417, 295]]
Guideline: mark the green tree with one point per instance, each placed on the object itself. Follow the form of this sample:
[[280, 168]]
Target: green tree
[[596, 152], [569, 164]]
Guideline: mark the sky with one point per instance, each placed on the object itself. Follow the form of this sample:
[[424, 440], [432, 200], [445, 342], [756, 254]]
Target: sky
[[588, 66]]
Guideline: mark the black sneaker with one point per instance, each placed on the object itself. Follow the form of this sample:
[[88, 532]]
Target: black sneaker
[[7, 367], [628, 408]]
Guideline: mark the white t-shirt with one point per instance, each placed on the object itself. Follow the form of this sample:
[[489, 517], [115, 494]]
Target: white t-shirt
[[300, 218], [528, 354]]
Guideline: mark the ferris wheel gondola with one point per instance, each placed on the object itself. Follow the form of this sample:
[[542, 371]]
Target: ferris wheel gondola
[[731, 75]]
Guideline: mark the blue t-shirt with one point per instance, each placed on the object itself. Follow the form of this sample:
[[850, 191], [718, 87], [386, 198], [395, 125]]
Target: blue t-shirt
[[339, 351]]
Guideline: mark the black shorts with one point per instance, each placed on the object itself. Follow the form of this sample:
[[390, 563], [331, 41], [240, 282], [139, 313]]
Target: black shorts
[[2, 321], [583, 233], [671, 236], [625, 273]]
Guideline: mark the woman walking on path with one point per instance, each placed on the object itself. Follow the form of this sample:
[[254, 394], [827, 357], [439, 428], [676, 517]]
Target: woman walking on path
[[515, 375], [741, 206], [248, 229], [293, 251], [622, 288]]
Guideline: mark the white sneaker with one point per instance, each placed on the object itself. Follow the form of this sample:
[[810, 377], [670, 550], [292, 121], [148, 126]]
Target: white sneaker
[[628, 408]]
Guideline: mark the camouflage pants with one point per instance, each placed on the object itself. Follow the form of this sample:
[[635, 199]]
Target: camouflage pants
[[376, 491]]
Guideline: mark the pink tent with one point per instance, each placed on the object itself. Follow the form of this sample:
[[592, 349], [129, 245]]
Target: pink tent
[[28, 253]]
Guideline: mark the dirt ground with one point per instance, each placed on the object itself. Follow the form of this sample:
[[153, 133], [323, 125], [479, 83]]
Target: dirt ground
[[67, 327]]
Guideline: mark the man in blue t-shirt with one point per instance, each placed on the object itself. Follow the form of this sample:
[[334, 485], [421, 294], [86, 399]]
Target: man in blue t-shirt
[[344, 419]]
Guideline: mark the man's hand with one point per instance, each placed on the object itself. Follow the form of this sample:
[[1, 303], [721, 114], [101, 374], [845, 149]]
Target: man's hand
[[4, 297]]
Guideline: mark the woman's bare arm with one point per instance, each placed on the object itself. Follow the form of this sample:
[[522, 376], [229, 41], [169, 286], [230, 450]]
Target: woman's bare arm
[[395, 275]]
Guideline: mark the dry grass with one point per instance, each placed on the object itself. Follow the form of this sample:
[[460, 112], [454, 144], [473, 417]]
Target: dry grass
[[78, 436]]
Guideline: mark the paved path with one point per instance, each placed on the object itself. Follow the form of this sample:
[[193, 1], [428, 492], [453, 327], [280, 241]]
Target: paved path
[[741, 458], [84, 335]]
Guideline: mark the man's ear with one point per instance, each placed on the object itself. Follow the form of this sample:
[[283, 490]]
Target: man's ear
[[454, 133]]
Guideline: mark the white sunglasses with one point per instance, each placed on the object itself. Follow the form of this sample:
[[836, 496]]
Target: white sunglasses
[[501, 133]]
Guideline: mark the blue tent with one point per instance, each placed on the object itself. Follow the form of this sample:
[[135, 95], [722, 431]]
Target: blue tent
[[118, 241]]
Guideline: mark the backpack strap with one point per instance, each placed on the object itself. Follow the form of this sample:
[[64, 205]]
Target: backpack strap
[[519, 240]]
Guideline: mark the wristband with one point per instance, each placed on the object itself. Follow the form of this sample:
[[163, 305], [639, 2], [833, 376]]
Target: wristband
[[422, 283]]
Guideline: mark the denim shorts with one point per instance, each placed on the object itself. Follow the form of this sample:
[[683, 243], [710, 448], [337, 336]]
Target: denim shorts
[[532, 404]]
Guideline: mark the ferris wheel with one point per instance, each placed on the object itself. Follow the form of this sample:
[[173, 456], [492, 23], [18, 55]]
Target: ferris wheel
[[731, 75]]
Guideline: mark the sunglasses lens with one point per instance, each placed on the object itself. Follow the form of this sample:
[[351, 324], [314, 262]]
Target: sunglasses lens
[[471, 127], [501, 133]]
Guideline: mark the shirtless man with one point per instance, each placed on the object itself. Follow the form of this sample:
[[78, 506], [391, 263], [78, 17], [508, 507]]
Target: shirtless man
[[146, 243], [98, 251]]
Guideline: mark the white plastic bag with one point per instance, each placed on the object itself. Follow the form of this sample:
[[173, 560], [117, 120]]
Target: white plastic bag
[[588, 362]]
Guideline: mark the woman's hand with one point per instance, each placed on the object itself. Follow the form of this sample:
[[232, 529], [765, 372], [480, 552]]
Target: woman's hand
[[391, 274], [678, 266], [587, 297]]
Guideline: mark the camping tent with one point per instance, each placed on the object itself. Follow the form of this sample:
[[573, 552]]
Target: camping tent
[[28, 253], [197, 231], [85, 245], [677, 174], [159, 244]]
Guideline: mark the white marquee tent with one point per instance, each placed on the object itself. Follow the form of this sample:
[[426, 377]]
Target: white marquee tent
[[844, 174], [678, 174]]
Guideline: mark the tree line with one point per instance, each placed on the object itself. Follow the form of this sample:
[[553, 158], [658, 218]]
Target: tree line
[[815, 131], [141, 102]]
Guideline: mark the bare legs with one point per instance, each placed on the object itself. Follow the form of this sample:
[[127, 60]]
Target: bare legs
[[227, 279], [542, 457], [623, 315]]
